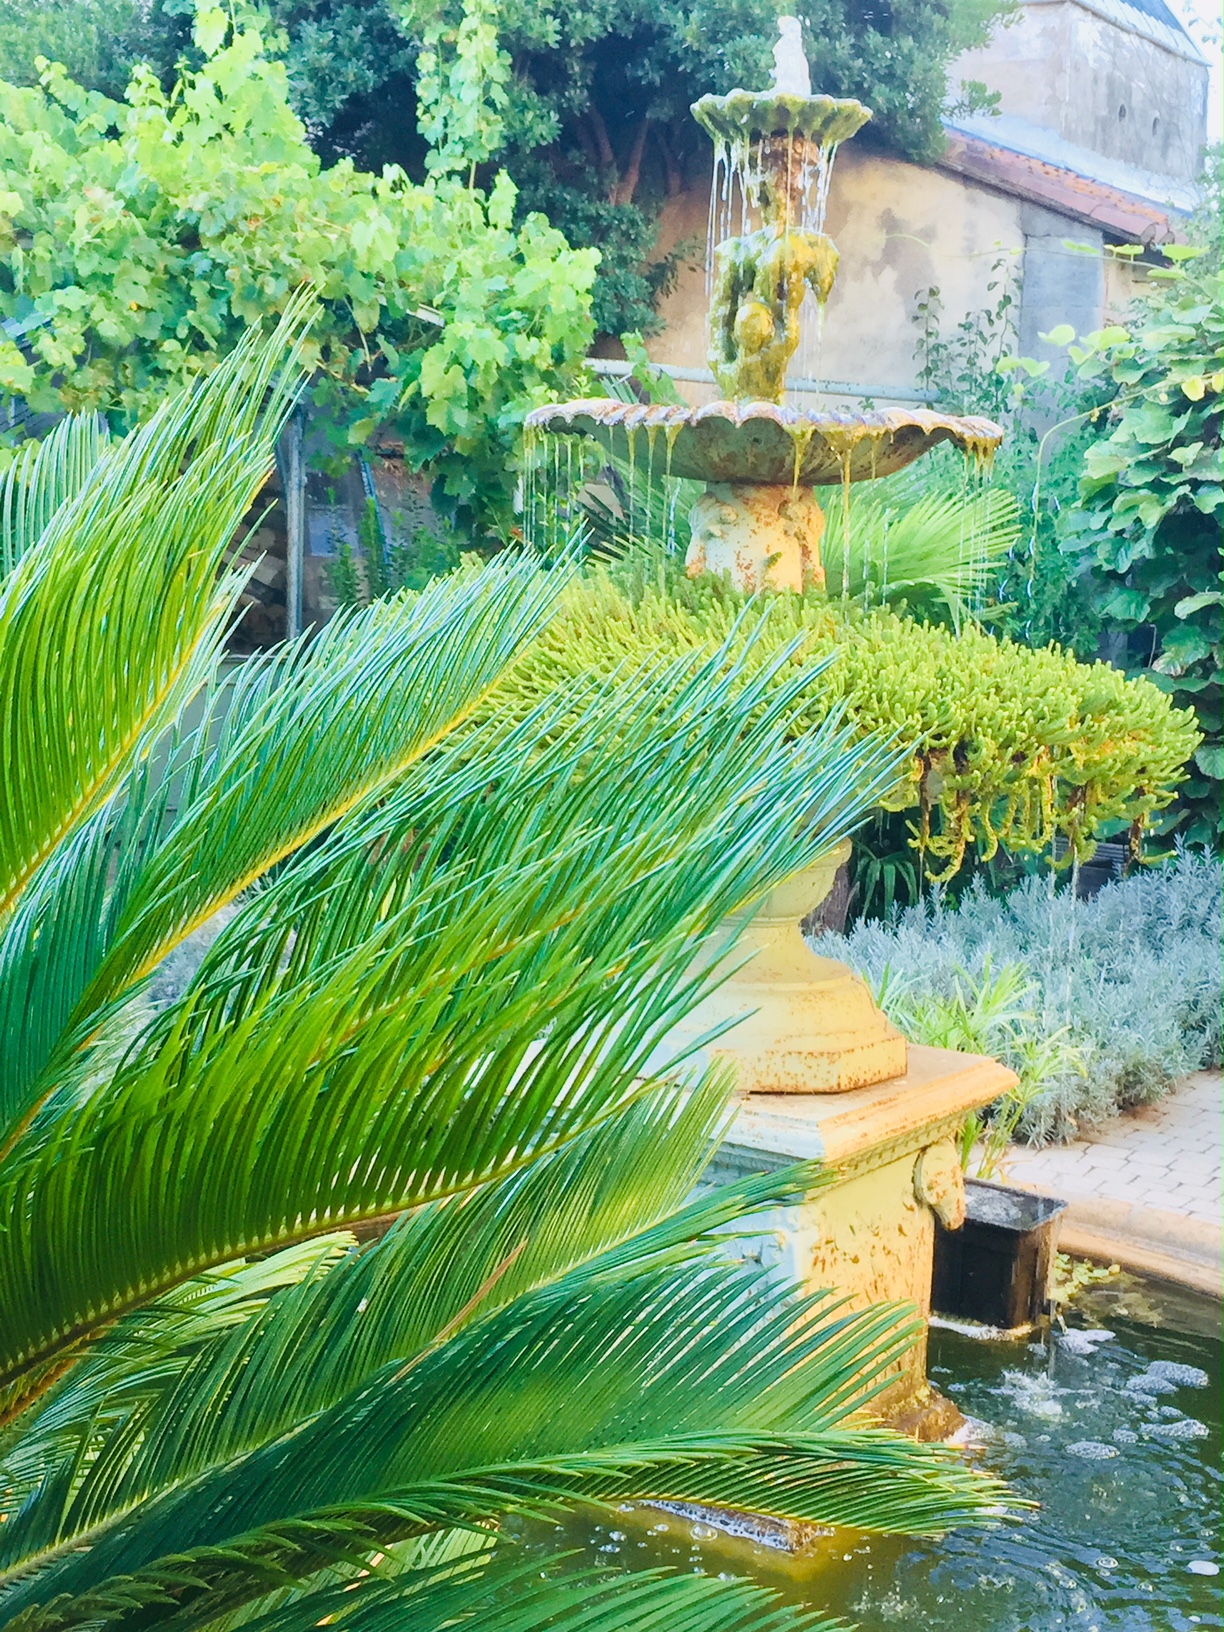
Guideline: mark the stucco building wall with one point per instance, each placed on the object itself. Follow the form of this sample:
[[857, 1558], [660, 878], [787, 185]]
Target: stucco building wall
[[1104, 76]]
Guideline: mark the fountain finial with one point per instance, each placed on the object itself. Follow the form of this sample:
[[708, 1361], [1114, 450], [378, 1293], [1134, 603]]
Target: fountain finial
[[790, 76]]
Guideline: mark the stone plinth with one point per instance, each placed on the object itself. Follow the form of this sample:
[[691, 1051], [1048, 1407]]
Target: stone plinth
[[871, 1234]]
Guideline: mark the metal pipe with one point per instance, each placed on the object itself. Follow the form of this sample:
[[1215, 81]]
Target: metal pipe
[[613, 368], [293, 480]]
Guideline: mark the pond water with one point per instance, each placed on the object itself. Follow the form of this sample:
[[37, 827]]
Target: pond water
[[1114, 1428]]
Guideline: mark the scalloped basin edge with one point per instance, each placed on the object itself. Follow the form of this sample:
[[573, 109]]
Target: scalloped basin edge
[[766, 442]]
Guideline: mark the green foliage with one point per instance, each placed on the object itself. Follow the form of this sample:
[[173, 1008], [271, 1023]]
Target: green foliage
[[379, 567], [150, 236], [98, 41], [1206, 225], [1146, 531], [971, 369], [1099, 1004], [988, 1012], [1005, 746], [431, 962], [595, 122]]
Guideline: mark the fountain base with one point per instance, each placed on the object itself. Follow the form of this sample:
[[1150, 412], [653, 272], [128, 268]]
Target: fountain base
[[891, 1148], [764, 536]]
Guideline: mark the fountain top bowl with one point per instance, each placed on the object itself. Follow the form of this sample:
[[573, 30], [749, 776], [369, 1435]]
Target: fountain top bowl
[[766, 443], [741, 116]]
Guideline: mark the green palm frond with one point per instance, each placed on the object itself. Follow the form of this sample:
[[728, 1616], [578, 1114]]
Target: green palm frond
[[502, 1593], [935, 551], [113, 620], [319, 1065], [616, 1189], [282, 753], [471, 1427], [42, 478]]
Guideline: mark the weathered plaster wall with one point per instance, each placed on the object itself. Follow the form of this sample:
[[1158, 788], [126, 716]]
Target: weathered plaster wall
[[900, 229], [1096, 82]]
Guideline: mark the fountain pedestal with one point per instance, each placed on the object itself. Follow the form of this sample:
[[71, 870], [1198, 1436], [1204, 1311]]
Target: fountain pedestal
[[822, 1071], [764, 536], [824, 1076], [892, 1149]]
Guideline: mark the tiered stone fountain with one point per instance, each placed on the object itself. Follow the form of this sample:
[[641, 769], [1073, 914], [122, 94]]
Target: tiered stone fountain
[[822, 1071]]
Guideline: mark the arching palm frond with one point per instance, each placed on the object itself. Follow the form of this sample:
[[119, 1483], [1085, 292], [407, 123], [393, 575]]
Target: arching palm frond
[[937, 551], [42, 478], [457, 950]]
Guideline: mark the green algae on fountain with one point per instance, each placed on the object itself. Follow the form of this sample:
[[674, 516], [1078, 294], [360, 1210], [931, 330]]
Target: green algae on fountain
[[779, 147]]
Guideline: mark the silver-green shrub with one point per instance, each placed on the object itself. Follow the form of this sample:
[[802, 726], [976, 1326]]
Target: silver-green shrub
[[1129, 983]]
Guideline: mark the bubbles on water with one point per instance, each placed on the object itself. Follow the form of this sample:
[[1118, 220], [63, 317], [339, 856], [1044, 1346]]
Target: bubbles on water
[[1105, 1563], [702, 1532], [1166, 1377], [1185, 1428], [1181, 1376], [1084, 1342], [1035, 1395], [1125, 1436], [1092, 1450]]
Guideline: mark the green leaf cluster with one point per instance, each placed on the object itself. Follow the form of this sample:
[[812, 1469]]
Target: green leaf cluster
[[1147, 527], [141, 240], [1006, 746], [344, 1162], [595, 125]]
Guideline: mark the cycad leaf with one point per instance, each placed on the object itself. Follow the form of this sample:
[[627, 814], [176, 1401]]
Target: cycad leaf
[[645, 1358], [42, 478], [180, 1413], [505, 1593], [281, 753], [407, 1053], [113, 619]]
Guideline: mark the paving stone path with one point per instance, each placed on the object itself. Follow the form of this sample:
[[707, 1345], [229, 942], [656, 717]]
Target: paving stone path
[[1150, 1182]]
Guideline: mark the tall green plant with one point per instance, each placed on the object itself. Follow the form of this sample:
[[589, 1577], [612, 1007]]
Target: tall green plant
[[1146, 530], [450, 957]]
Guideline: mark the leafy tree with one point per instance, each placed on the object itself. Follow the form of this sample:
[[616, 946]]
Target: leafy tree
[[596, 127], [141, 239], [1145, 534], [447, 953]]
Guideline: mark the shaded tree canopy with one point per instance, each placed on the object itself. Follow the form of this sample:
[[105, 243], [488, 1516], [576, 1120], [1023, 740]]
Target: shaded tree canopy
[[597, 132]]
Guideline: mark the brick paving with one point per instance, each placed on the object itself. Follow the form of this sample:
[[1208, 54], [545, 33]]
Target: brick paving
[[1168, 1156]]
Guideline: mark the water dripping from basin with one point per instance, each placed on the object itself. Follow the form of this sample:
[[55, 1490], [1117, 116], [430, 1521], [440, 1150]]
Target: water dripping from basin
[[1118, 1439]]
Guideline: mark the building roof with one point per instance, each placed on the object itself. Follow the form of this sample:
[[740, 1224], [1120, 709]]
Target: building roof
[[1015, 156]]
